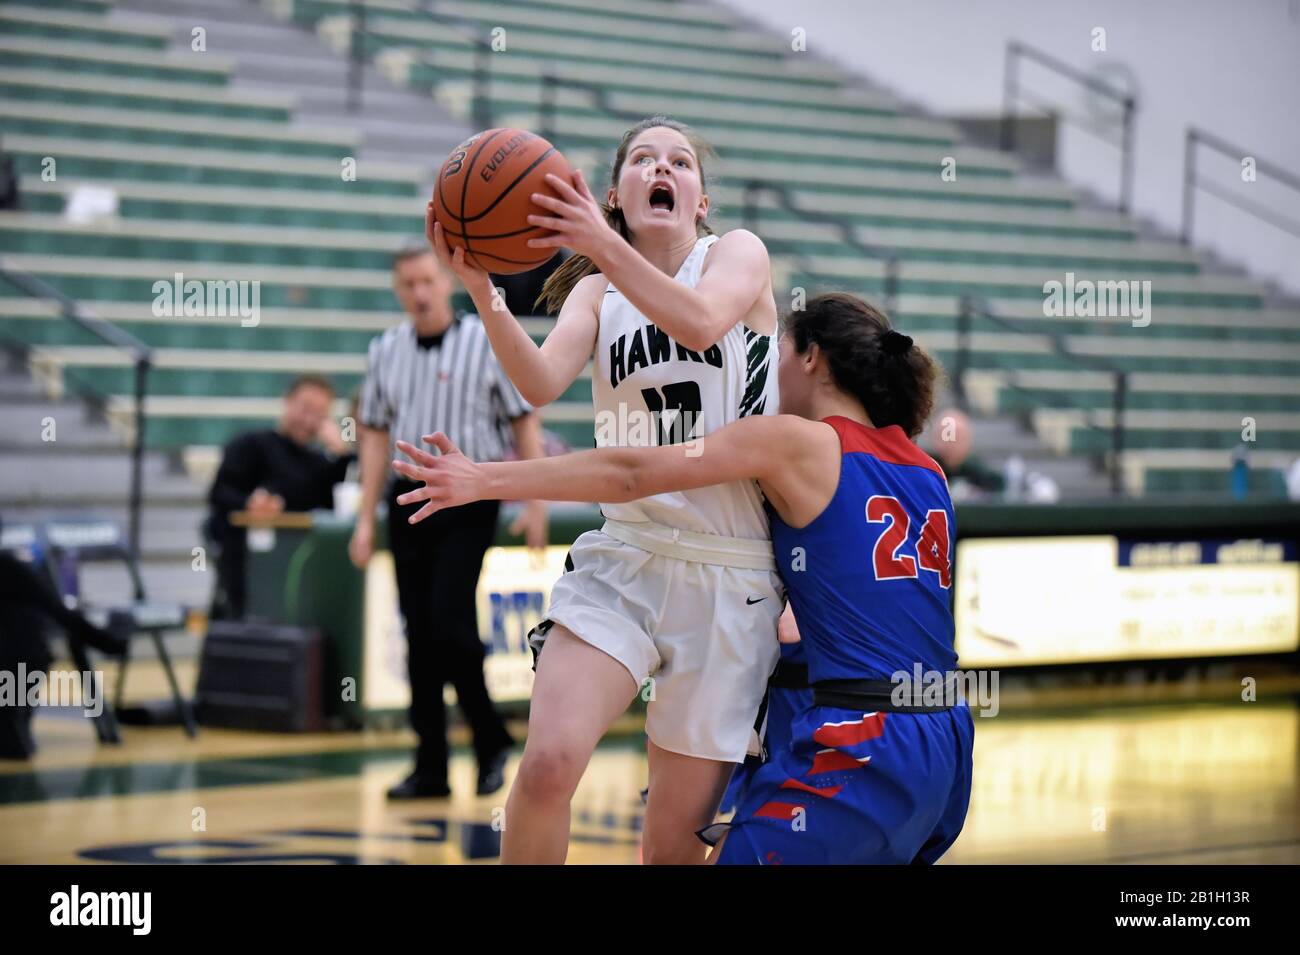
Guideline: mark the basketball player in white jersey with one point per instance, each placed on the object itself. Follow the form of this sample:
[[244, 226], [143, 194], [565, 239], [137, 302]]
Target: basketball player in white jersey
[[677, 596]]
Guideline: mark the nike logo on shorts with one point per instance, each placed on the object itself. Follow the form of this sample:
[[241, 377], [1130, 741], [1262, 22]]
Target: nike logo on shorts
[[753, 600]]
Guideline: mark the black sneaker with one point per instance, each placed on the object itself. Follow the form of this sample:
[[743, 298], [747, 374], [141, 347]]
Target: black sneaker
[[492, 773], [417, 787]]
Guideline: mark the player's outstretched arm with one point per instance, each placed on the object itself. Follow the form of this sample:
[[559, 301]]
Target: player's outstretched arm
[[541, 374], [788, 455]]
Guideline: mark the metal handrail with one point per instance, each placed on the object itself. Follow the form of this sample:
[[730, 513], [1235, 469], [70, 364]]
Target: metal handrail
[[481, 108], [847, 230], [1012, 93], [1198, 137], [600, 100], [467, 29], [971, 305], [142, 356]]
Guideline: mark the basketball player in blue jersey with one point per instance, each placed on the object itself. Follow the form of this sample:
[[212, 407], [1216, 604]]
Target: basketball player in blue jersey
[[862, 529], [676, 597]]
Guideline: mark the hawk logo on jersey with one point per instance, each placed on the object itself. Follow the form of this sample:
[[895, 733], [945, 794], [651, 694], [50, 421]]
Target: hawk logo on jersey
[[648, 346]]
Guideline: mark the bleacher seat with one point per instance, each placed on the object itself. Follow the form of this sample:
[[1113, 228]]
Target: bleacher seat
[[228, 186]]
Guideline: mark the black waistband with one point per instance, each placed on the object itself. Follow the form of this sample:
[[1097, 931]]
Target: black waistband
[[789, 676], [875, 696], [870, 695]]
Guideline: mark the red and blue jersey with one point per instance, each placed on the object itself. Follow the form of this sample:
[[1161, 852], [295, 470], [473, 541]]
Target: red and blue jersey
[[870, 579], [870, 582]]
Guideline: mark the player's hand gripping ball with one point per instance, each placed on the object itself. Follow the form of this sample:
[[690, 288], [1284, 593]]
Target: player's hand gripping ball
[[483, 197]]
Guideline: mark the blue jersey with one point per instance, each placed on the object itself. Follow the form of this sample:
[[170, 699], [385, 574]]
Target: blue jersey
[[870, 579]]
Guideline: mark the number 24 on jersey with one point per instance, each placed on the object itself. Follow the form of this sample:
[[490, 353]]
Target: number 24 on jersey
[[932, 549]]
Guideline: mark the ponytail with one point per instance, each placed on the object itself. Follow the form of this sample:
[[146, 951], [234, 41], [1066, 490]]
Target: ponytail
[[891, 376], [576, 267]]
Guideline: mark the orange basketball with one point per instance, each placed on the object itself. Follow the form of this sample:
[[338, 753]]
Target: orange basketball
[[483, 197]]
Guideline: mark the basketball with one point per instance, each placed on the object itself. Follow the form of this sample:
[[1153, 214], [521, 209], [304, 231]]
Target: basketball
[[483, 193]]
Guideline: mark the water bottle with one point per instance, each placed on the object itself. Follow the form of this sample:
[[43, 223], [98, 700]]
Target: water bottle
[[1013, 474], [1240, 473]]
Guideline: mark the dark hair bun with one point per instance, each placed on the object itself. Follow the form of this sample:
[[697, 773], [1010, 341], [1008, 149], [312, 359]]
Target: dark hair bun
[[895, 343], [893, 378]]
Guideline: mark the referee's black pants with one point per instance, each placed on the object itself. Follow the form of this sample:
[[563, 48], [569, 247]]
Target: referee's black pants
[[438, 563]]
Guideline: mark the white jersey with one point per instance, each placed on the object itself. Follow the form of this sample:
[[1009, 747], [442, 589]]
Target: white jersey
[[649, 390]]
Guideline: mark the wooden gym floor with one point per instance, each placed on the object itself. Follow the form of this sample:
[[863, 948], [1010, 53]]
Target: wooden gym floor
[[1118, 775]]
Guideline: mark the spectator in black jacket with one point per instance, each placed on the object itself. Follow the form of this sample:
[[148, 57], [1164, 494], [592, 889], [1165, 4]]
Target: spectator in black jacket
[[267, 472]]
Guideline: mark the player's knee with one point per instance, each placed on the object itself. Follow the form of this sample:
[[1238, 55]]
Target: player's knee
[[548, 773], [672, 848], [669, 837]]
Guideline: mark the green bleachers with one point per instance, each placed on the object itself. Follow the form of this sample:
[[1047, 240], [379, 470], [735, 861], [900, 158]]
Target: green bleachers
[[426, 68], [20, 20], [115, 161], [159, 239], [241, 205], [274, 240], [523, 95], [1082, 432], [1204, 472], [600, 38], [132, 281], [85, 59], [222, 185], [166, 129], [119, 93], [78, 6]]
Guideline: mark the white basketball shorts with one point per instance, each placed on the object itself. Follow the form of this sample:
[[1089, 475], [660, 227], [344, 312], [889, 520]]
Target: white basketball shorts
[[694, 614]]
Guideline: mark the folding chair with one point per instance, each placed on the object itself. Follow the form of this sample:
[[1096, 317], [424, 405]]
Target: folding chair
[[73, 542]]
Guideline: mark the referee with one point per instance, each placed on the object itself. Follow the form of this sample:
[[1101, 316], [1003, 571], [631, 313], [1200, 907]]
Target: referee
[[435, 371]]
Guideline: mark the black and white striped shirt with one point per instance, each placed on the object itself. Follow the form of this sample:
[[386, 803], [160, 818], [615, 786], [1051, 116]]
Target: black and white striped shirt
[[455, 386]]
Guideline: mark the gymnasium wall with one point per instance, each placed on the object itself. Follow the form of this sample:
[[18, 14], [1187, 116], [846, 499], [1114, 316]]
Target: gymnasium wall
[[1230, 68]]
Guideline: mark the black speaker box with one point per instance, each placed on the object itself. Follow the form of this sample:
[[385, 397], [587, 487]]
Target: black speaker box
[[261, 676]]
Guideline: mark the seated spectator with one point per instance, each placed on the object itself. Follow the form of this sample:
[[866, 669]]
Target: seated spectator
[[267, 472], [29, 605], [969, 478], [950, 445]]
